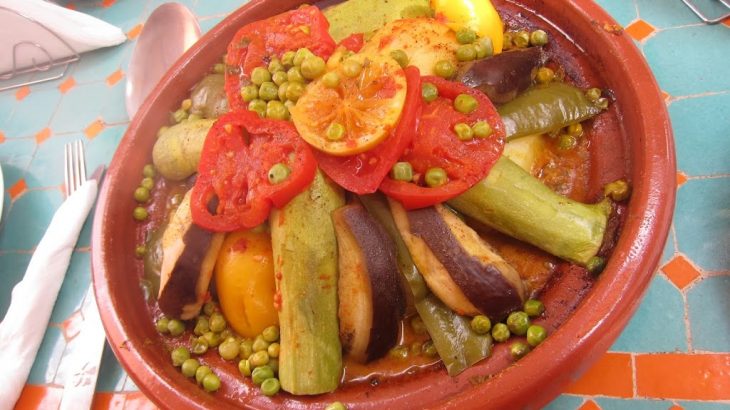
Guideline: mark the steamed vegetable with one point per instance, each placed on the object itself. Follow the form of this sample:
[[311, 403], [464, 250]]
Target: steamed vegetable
[[515, 203], [546, 108], [305, 255], [365, 16], [209, 97], [177, 151]]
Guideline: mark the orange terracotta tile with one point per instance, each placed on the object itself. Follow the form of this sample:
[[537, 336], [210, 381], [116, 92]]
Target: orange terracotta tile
[[72, 325], [681, 178], [94, 129], [71, 6], [726, 22], [67, 85], [2, 137], [666, 96], [39, 397], [683, 376], [590, 405], [680, 271], [138, 401], [108, 401], [108, 3], [114, 77], [17, 189], [22, 93], [610, 376], [639, 29], [42, 135], [135, 31], [676, 407]]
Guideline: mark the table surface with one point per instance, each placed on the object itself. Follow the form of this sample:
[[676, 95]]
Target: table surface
[[675, 352]]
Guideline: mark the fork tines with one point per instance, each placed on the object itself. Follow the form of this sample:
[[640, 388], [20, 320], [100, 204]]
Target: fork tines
[[74, 160]]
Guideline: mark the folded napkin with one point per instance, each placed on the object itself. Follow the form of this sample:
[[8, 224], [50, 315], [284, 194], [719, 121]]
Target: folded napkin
[[80, 32], [25, 323]]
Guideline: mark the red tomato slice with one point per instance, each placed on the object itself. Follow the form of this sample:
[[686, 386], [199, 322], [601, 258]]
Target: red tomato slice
[[353, 42], [255, 43], [363, 173], [436, 145], [232, 191]]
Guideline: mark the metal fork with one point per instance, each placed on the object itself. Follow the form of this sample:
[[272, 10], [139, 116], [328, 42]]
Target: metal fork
[[74, 160]]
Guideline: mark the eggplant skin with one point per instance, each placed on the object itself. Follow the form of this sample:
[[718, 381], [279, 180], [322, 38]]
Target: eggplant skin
[[503, 76]]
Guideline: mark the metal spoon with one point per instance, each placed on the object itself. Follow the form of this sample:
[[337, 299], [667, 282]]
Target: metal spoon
[[168, 32]]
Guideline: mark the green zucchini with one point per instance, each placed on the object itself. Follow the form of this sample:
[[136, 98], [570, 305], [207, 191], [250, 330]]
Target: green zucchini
[[305, 257]]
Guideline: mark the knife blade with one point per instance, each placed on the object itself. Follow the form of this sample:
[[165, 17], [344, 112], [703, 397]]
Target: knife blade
[[88, 348]]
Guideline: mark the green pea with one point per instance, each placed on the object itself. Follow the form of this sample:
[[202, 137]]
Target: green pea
[[175, 327], [402, 171], [179, 355], [444, 68], [244, 366], [268, 91], [140, 251], [336, 406], [467, 52], [211, 382], [521, 39], [179, 115], [399, 352], [602, 103], [331, 80], [213, 339], [209, 308], [148, 183], [466, 36], [229, 349], [279, 172], [500, 332], [416, 348], [217, 322], [201, 372], [435, 177], [533, 308], [201, 326], [335, 131], [161, 325], [140, 213], [249, 93], [271, 333], [274, 349], [465, 103], [186, 104], [593, 94], [294, 91], [351, 68], [538, 38], [287, 59], [400, 57], [258, 106], [313, 67], [301, 55], [189, 367], [429, 349], [545, 75], [618, 190], [261, 373], [260, 344], [596, 264], [246, 349], [481, 325], [535, 335], [276, 110], [270, 387], [282, 90], [429, 92], [219, 68], [485, 47], [274, 364], [481, 129], [259, 358], [518, 350], [575, 129], [567, 142], [518, 322], [279, 77], [148, 171], [141, 194], [507, 40], [260, 75], [275, 66], [463, 131], [200, 346]]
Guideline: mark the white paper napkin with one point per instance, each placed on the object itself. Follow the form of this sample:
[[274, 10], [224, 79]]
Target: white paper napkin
[[25, 323], [81, 31]]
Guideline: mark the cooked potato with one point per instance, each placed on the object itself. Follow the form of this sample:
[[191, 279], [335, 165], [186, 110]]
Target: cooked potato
[[177, 152], [425, 41], [209, 96]]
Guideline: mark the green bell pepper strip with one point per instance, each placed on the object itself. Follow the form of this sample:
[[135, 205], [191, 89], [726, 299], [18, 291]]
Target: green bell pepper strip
[[458, 346], [547, 108]]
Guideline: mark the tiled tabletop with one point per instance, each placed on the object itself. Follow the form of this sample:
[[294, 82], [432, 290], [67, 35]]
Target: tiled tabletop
[[675, 352]]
